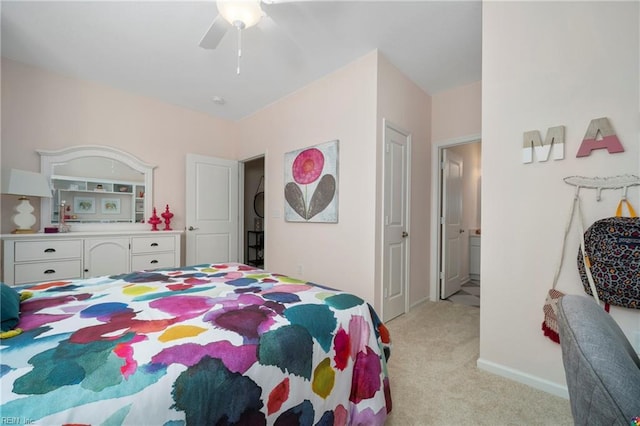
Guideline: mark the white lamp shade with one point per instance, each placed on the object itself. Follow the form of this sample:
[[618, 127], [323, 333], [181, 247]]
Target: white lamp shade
[[24, 183], [248, 12]]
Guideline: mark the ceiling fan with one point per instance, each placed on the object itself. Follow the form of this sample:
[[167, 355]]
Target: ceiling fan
[[240, 14]]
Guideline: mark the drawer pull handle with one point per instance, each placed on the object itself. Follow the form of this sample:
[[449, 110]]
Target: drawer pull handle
[[153, 261], [154, 244], [50, 250], [50, 271]]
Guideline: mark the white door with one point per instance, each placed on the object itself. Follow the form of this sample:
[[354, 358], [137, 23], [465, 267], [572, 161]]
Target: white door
[[106, 256], [395, 275], [451, 221], [211, 210]]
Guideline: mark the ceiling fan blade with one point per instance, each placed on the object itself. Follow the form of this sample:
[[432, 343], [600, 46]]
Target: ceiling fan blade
[[214, 34]]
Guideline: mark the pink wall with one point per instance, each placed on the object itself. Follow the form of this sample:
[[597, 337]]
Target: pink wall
[[42, 110], [339, 106], [457, 113], [47, 111], [405, 105], [535, 80], [348, 105]]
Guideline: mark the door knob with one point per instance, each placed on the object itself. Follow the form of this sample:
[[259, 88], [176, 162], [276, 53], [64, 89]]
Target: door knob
[[404, 234], [191, 228], [461, 231]]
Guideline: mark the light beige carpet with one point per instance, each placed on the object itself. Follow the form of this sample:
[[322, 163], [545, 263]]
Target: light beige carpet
[[435, 381]]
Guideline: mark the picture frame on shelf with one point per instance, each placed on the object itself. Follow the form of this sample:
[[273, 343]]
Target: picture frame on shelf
[[84, 205], [110, 206]]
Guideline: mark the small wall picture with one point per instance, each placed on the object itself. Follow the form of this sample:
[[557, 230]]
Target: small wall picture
[[311, 184], [84, 205], [111, 205]]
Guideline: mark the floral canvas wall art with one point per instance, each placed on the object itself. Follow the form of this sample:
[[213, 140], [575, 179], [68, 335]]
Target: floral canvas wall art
[[311, 184]]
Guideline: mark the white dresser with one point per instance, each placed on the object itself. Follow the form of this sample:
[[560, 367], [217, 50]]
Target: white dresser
[[47, 257]]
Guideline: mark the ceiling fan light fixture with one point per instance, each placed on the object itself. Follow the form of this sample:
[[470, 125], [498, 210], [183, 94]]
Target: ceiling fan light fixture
[[240, 13]]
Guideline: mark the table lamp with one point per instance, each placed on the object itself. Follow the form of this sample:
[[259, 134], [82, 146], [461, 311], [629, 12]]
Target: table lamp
[[25, 184]]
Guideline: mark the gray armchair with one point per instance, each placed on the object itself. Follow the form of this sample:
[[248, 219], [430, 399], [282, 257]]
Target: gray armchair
[[602, 368]]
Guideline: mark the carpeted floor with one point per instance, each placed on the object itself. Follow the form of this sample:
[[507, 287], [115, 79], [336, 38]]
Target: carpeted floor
[[435, 381]]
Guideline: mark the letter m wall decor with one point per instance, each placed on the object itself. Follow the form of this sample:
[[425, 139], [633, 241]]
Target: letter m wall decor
[[554, 140], [599, 135]]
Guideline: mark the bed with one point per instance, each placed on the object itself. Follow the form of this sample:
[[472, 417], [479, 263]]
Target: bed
[[200, 345]]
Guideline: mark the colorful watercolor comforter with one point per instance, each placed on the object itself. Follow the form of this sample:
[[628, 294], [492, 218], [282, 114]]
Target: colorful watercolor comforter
[[201, 345]]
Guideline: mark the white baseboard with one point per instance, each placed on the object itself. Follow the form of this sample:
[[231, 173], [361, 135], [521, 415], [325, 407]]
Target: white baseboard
[[527, 379], [417, 302]]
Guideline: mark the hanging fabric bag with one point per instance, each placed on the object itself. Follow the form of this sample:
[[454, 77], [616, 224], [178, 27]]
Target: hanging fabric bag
[[610, 266]]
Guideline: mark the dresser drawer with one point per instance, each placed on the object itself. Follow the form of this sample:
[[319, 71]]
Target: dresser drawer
[[47, 271], [152, 244], [26, 251], [152, 261]]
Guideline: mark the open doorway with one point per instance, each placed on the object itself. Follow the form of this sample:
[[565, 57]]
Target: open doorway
[[456, 209], [253, 221]]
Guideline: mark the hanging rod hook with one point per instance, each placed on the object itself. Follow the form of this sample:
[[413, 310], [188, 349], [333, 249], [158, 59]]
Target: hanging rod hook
[[577, 193]]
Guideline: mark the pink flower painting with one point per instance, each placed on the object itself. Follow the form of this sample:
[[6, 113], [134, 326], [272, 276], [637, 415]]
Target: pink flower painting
[[307, 167], [311, 184]]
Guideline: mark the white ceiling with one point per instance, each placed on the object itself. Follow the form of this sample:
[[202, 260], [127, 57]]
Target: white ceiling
[[151, 48]]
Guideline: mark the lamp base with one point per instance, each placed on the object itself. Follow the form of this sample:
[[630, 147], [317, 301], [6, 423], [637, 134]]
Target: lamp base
[[23, 231], [24, 218]]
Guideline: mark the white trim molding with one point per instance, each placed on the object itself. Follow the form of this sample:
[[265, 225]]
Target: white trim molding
[[435, 203], [524, 378]]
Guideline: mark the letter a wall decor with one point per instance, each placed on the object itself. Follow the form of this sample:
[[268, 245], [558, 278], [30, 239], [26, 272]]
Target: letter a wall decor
[[608, 140], [311, 184]]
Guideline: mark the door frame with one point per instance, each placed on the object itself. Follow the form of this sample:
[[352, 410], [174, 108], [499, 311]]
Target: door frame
[[241, 172], [436, 208], [388, 124], [241, 229]]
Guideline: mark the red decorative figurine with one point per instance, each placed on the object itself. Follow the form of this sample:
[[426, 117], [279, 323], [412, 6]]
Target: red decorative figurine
[[154, 220], [167, 215]]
